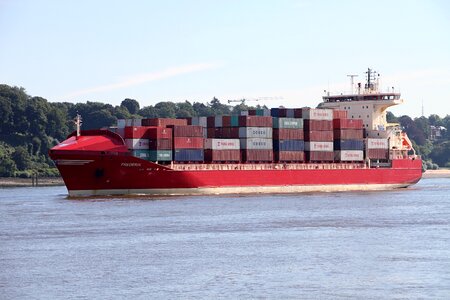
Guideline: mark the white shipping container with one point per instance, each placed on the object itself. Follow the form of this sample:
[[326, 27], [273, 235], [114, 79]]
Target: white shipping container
[[377, 144], [257, 144], [255, 132], [317, 114], [244, 113], [137, 144], [349, 155], [222, 144], [319, 146]]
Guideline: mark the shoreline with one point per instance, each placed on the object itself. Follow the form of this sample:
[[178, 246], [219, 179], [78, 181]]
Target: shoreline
[[441, 173], [7, 182]]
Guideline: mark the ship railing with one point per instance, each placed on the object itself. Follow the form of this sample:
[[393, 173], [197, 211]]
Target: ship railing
[[268, 166]]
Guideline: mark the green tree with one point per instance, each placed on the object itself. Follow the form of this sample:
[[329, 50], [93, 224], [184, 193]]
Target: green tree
[[22, 158], [166, 109], [148, 112], [131, 105]]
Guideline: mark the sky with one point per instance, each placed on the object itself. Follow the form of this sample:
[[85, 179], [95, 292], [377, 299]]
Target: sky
[[284, 52]]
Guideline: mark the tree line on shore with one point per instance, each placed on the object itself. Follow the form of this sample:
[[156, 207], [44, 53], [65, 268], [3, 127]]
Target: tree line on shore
[[31, 125]]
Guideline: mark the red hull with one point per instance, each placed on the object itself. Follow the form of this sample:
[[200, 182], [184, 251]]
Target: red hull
[[107, 168]]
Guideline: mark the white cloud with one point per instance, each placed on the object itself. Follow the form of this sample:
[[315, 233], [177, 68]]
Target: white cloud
[[144, 78]]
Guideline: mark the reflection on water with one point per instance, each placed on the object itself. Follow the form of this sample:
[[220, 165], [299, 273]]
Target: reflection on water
[[391, 244]]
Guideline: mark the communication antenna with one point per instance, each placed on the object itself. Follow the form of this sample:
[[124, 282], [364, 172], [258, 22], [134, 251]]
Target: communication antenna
[[351, 81], [423, 114]]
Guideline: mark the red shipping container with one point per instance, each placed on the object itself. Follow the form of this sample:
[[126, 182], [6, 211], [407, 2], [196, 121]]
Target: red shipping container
[[339, 114], [315, 125], [160, 144], [223, 132], [257, 155], [348, 123], [319, 136], [255, 121], [288, 156], [313, 156], [222, 155], [348, 134], [159, 133], [377, 153], [297, 113], [226, 121], [288, 134], [187, 131], [163, 122], [188, 143], [136, 132]]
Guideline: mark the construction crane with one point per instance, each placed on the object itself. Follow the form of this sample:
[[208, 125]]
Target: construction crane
[[243, 100]]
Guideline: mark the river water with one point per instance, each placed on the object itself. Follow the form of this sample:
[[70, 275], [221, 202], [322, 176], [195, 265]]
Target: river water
[[371, 245]]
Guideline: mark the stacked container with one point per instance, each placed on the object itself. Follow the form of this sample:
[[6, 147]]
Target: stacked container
[[377, 148], [348, 138], [288, 143], [318, 131], [160, 143], [137, 140], [187, 143], [199, 121], [255, 133], [222, 150], [163, 122]]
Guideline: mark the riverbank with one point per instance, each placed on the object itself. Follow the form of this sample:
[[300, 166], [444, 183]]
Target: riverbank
[[23, 182], [441, 173]]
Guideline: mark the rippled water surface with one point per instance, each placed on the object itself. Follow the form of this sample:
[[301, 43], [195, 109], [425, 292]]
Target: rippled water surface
[[371, 245]]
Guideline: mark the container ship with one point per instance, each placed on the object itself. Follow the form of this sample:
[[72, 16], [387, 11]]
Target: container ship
[[343, 144]]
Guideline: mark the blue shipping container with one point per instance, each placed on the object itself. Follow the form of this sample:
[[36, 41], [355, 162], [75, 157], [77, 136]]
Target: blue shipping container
[[348, 145], [188, 155], [288, 145]]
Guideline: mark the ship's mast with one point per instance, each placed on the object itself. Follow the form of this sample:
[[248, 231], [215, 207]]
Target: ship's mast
[[78, 121], [351, 82]]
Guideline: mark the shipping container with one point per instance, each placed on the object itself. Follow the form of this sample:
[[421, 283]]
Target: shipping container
[[349, 155], [137, 144], [317, 125], [377, 154], [136, 132], [290, 113], [255, 132], [222, 155], [377, 144], [259, 112], [319, 136], [348, 123], [339, 114], [289, 156], [188, 155], [218, 121], [222, 144], [348, 145], [255, 155], [317, 114], [288, 134], [163, 122], [244, 113], [234, 121], [159, 133], [348, 134], [187, 131], [318, 156], [160, 155], [200, 121], [142, 154], [298, 113], [122, 123], [187, 142], [319, 146], [256, 143], [278, 112], [291, 123], [160, 144], [288, 145], [255, 121], [223, 132]]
